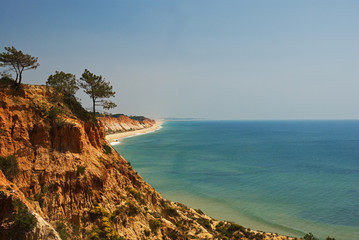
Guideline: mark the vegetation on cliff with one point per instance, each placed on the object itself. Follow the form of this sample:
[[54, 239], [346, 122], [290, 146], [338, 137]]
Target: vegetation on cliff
[[9, 166], [63, 83]]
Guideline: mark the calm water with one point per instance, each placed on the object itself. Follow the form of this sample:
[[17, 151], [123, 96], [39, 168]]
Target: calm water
[[289, 177]]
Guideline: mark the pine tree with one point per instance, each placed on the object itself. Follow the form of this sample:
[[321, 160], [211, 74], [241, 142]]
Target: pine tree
[[98, 89], [18, 62]]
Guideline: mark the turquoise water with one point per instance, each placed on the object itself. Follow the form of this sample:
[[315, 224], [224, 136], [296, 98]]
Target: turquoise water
[[289, 177]]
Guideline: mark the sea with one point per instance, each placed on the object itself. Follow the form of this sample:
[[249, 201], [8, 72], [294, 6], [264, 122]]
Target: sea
[[287, 177]]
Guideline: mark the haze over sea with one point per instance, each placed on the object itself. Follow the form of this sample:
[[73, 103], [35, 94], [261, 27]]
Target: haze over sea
[[289, 177]]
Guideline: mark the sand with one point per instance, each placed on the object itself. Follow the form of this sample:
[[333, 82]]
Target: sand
[[116, 137]]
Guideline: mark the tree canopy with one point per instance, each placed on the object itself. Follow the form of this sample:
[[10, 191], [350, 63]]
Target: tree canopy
[[98, 89], [18, 62], [63, 82]]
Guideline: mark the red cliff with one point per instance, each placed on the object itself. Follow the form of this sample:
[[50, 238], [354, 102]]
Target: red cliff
[[58, 169], [124, 123]]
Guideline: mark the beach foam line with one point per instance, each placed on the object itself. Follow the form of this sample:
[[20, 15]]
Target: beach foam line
[[114, 139]]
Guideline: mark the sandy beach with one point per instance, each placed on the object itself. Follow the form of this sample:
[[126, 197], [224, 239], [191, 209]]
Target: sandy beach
[[115, 137]]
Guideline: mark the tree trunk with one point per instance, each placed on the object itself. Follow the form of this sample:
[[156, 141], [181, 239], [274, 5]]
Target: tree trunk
[[20, 78], [93, 106]]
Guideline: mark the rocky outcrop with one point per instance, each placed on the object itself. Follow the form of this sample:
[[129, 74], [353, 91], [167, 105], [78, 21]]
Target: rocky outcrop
[[42, 230], [124, 123], [10, 196], [70, 180]]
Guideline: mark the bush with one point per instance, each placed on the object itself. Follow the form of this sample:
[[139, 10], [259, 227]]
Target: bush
[[54, 112], [155, 225], [205, 223], [182, 224], [6, 81], [138, 118], [132, 209], [97, 212], [77, 109], [147, 232], [107, 149], [61, 229], [51, 187], [309, 236], [228, 229], [173, 234], [9, 166], [40, 198], [62, 122], [170, 211], [24, 221], [80, 170], [199, 211], [103, 228], [138, 196]]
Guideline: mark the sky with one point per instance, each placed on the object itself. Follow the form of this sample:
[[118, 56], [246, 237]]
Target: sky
[[231, 59]]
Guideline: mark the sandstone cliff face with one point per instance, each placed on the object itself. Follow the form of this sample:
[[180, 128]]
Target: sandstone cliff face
[[73, 182], [124, 123]]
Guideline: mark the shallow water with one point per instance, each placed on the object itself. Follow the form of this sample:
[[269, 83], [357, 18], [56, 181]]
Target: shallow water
[[289, 177]]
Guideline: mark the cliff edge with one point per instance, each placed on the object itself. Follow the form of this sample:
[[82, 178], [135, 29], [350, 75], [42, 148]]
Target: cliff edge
[[123, 123], [60, 180]]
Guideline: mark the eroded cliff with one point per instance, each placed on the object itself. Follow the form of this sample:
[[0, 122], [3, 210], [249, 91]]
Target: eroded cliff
[[123, 123], [77, 186]]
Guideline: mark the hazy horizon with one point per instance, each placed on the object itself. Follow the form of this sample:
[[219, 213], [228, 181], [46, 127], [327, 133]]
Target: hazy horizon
[[230, 60]]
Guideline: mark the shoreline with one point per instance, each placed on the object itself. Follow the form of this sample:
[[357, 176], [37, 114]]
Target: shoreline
[[114, 138]]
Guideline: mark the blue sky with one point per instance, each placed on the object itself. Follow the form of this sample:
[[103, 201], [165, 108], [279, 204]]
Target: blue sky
[[206, 59]]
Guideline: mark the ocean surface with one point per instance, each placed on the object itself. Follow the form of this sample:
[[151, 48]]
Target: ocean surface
[[289, 177]]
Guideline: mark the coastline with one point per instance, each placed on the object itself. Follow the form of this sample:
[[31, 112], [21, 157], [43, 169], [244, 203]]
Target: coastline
[[114, 138], [153, 172]]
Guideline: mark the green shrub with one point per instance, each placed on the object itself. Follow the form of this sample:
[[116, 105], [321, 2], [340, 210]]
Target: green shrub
[[173, 234], [24, 221], [155, 225], [199, 211], [97, 212], [132, 209], [103, 228], [205, 223], [80, 170], [309, 236], [138, 196], [7, 80], [9, 166], [54, 112], [51, 187], [147, 232], [228, 229], [61, 229], [171, 211], [73, 104], [107, 149], [62, 122], [75, 229], [40, 198], [101, 160]]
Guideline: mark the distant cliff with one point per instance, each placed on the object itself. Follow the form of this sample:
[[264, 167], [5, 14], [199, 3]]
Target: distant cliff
[[123, 123], [60, 180]]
